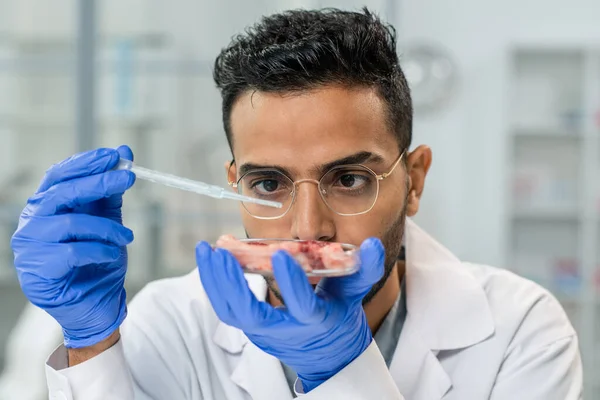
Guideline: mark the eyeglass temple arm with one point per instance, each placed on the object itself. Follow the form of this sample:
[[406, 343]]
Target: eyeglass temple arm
[[231, 183], [386, 174]]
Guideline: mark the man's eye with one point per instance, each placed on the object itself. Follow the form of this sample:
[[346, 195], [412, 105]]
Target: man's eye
[[348, 180], [266, 185], [351, 181]]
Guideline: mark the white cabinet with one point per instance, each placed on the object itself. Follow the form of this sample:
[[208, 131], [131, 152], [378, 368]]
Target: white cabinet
[[554, 212]]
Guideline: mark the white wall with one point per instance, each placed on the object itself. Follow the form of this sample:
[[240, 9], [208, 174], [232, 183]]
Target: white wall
[[466, 188]]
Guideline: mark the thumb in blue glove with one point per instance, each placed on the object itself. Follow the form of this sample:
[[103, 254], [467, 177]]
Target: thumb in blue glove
[[355, 287], [319, 332]]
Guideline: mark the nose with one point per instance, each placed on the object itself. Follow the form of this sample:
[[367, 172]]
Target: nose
[[311, 218]]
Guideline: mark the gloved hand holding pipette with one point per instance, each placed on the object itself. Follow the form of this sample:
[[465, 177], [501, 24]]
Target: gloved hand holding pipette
[[70, 253], [71, 241]]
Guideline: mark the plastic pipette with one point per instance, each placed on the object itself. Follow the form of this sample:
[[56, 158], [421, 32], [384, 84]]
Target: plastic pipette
[[190, 185]]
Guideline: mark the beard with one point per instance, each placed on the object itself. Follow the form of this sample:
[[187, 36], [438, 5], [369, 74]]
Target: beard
[[392, 242]]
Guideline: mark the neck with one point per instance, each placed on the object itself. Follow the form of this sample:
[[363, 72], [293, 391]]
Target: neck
[[377, 309]]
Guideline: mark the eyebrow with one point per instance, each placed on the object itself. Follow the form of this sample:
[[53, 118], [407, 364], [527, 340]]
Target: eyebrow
[[357, 158]]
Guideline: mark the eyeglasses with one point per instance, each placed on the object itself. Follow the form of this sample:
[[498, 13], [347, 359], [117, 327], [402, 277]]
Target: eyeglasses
[[347, 190]]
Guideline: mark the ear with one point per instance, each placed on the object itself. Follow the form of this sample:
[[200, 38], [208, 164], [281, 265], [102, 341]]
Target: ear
[[417, 165], [230, 171]]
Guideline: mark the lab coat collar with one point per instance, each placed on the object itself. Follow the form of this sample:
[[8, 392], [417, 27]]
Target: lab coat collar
[[448, 306]]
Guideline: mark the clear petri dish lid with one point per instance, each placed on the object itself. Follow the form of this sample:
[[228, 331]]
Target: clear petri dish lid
[[317, 258]]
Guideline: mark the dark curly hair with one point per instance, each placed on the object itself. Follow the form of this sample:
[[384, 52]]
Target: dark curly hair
[[304, 49]]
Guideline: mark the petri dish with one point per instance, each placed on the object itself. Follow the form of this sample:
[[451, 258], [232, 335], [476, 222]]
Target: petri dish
[[317, 258]]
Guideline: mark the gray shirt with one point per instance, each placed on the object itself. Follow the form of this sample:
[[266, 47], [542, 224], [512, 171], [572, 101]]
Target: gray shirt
[[387, 335]]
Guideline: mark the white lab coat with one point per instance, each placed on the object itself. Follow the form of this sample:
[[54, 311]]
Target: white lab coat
[[24, 375], [471, 332]]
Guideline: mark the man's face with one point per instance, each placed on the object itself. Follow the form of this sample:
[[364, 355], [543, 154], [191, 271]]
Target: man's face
[[301, 133]]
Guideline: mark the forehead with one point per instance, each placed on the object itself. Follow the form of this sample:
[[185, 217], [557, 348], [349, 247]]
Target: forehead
[[309, 128]]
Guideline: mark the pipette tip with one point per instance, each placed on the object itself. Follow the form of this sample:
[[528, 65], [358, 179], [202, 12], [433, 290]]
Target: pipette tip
[[248, 199], [267, 203]]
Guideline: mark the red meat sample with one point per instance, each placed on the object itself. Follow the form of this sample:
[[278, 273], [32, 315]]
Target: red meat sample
[[311, 255]]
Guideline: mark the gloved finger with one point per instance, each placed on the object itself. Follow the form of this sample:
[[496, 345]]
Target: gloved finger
[[248, 312], [212, 276], [74, 227], [125, 152], [299, 296], [79, 165], [67, 195], [56, 260], [354, 287], [112, 204]]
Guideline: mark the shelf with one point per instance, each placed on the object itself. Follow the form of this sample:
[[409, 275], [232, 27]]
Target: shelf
[[558, 214], [64, 66], [63, 124], [553, 134], [570, 299], [542, 215], [131, 210], [24, 42]]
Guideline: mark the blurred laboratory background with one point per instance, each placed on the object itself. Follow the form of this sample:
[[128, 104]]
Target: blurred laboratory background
[[506, 93]]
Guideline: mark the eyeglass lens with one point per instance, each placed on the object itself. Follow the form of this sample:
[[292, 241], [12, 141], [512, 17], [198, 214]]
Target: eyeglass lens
[[345, 190]]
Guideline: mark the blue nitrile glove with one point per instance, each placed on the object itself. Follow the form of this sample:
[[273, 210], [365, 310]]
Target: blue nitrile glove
[[319, 332], [69, 248]]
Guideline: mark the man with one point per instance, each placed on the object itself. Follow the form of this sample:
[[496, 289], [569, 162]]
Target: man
[[318, 115]]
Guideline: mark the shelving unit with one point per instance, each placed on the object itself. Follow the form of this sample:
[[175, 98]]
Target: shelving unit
[[554, 224], [142, 82], [38, 73]]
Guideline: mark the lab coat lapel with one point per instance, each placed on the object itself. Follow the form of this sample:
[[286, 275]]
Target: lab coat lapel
[[449, 307], [256, 372], [416, 369], [446, 310], [261, 375]]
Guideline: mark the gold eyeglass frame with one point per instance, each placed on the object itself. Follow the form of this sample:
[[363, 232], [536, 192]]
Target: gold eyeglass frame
[[379, 177]]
